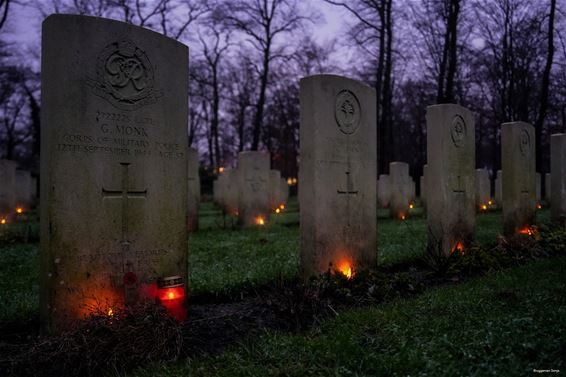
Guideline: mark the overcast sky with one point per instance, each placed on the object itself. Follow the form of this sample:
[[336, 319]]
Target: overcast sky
[[24, 25]]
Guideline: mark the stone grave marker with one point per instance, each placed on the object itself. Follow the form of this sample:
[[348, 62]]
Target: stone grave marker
[[253, 188], [558, 181], [518, 177], [400, 191], [193, 200], [498, 190], [483, 196], [337, 191], [274, 189], [451, 209], [547, 188], [113, 169]]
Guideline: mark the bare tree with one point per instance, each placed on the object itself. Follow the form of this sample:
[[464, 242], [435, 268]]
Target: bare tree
[[263, 22]]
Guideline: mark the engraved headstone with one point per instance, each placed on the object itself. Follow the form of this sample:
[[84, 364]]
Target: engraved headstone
[[482, 189], [253, 188], [558, 169], [338, 177], [383, 191], [230, 193], [518, 177], [400, 189], [23, 189], [498, 190], [113, 168], [7, 189], [193, 200], [451, 210], [423, 186]]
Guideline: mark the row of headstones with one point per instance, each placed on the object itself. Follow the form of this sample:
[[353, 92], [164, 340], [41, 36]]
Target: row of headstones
[[397, 190], [252, 191], [338, 163], [115, 173], [18, 190]]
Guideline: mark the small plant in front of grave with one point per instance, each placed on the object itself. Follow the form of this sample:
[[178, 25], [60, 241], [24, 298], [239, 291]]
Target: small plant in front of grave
[[552, 239]]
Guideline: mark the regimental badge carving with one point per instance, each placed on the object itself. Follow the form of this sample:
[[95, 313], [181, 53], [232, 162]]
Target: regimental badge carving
[[124, 76], [458, 131], [525, 142], [347, 112]]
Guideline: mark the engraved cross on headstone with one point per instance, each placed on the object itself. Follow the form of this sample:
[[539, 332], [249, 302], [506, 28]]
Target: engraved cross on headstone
[[124, 194], [349, 191]]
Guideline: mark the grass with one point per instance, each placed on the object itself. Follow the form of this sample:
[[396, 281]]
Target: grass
[[223, 260], [505, 324]]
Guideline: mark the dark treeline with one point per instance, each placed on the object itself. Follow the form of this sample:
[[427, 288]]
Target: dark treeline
[[503, 59]]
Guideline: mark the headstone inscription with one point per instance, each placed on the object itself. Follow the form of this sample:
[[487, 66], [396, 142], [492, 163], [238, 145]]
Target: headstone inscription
[[337, 193], [113, 169], [451, 160]]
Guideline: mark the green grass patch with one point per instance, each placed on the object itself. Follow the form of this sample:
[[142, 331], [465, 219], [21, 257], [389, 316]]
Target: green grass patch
[[504, 324]]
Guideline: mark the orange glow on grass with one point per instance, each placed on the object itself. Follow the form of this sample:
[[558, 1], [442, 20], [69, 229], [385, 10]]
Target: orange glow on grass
[[345, 268], [539, 206], [260, 220], [529, 231], [458, 247], [110, 312], [401, 216], [19, 210]]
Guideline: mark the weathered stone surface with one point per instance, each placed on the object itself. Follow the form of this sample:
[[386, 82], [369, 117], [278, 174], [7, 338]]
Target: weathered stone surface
[[113, 167], [498, 190], [558, 171], [547, 187], [337, 191], [193, 200], [423, 186], [274, 189], [383, 191], [23, 189], [253, 188], [482, 185], [400, 190], [7, 189], [451, 210], [518, 177], [230, 193]]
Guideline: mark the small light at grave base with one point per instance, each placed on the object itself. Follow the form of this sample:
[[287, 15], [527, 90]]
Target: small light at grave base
[[3, 221], [528, 231], [411, 206], [278, 210], [402, 216], [19, 210], [458, 247], [110, 312], [221, 169], [282, 206], [483, 207], [539, 206], [490, 202], [295, 181], [289, 181], [171, 295], [259, 220], [345, 268]]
